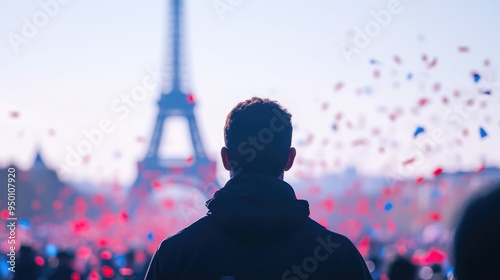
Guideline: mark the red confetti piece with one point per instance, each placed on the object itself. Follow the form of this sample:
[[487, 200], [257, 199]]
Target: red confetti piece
[[480, 169], [156, 185], [437, 87], [435, 216], [487, 62], [75, 276], [57, 205], [190, 160], [437, 171], [107, 271], [408, 161], [5, 214], [39, 261], [423, 101], [51, 132], [445, 100], [463, 49], [169, 203], [98, 199], [433, 63], [140, 139], [84, 252], [338, 86], [338, 116], [106, 255], [424, 57], [124, 216], [419, 180], [324, 106], [14, 114], [102, 242], [376, 74], [328, 204], [190, 98], [94, 276], [465, 132], [397, 59]]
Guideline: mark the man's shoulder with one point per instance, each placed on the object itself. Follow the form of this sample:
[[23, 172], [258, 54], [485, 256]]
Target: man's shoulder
[[318, 230], [194, 233]]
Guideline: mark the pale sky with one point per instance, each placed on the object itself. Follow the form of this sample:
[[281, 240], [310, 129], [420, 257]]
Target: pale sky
[[66, 77]]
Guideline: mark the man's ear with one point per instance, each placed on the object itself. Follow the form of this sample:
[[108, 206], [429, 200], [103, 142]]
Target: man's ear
[[225, 158], [291, 157]]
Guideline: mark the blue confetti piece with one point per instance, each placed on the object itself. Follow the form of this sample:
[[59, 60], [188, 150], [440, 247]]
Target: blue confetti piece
[[51, 250], [334, 127], [150, 236], [388, 206], [409, 76], [368, 90], [373, 61], [487, 92], [483, 132], [418, 131], [476, 77], [24, 223]]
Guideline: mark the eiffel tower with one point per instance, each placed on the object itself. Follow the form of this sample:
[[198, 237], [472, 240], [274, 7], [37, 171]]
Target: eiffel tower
[[155, 172]]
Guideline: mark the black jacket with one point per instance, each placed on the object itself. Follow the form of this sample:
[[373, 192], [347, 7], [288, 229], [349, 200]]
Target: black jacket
[[257, 229]]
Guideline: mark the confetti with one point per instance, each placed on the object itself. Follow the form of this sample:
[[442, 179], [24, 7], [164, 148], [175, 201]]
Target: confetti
[[338, 86], [433, 63], [437, 87], [422, 102], [419, 180], [437, 171], [476, 77], [140, 139], [388, 206], [418, 131], [51, 250], [482, 132], [463, 49], [325, 106], [409, 76], [190, 98], [397, 59], [150, 236], [409, 161], [14, 114], [124, 216]]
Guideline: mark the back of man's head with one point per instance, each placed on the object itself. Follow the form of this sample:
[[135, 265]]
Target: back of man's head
[[477, 238], [258, 136]]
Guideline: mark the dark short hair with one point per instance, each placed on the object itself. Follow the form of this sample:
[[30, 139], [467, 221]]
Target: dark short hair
[[258, 136], [477, 238]]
